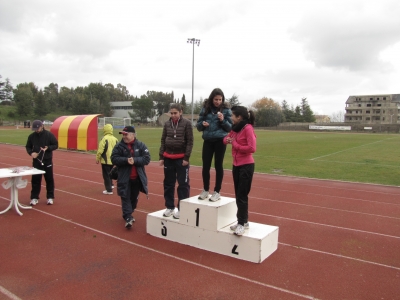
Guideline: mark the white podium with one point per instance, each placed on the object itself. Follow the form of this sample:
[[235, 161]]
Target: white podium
[[204, 224]]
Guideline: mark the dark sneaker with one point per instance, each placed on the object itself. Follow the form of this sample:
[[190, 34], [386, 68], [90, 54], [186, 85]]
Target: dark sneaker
[[129, 223]]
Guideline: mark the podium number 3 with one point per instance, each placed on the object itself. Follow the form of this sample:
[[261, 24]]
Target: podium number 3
[[197, 211]]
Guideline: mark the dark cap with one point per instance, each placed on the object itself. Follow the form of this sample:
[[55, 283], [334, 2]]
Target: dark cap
[[127, 129], [36, 125]]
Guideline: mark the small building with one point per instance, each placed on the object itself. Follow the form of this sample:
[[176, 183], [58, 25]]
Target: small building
[[373, 109], [121, 109]]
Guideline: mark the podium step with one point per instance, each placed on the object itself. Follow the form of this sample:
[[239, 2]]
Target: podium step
[[257, 243], [207, 214]]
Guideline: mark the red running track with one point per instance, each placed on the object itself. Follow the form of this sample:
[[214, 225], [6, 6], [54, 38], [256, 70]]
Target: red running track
[[337, 240]]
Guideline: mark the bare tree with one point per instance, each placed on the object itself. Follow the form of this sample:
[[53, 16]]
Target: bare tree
[[337, 117]]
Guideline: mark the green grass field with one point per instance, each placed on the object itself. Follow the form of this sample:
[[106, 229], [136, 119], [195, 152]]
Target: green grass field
[[370, 158]]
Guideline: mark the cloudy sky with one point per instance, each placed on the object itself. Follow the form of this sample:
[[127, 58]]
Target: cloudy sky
[[280, 49]]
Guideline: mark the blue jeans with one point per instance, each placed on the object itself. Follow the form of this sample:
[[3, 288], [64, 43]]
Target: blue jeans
[[173, 171]]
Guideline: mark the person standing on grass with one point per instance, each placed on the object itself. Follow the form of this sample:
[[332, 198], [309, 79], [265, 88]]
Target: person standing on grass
[[103, 156], [215, 123], [40, 146], [243, 141], [175, 150], [130, 156]]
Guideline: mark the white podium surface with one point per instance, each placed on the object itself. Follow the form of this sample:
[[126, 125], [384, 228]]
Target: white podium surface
[[15, 182], [205, 225]]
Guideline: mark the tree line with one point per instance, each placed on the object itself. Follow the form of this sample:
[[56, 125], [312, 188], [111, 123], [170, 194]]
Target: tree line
[[95, 98]]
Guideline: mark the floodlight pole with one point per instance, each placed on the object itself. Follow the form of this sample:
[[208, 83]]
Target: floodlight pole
[[193, 41]]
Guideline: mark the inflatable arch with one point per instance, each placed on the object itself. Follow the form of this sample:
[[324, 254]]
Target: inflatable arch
[[76, 132]]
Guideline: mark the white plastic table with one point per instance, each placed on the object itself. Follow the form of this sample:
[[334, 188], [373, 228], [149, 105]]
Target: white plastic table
[[14, 182]]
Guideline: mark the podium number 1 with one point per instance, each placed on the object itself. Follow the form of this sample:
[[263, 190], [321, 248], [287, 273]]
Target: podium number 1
[[197, 211]]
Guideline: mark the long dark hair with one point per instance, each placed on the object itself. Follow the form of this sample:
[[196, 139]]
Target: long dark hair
[[244, 113], [208, 103]]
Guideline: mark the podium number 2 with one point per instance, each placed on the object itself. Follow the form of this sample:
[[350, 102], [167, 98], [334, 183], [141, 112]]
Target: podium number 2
[[197, 211]]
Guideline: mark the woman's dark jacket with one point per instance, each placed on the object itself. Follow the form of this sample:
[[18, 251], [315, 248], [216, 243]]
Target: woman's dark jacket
[[216, 129], [181, 143], [119, 158]]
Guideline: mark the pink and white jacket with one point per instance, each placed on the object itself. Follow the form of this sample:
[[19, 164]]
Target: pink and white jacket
[[243, 145]]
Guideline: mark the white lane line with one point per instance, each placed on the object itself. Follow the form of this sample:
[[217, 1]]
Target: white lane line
[[328, 208], [327, 225], [341, 256], [349, 149], [182, 259], [9, 294]]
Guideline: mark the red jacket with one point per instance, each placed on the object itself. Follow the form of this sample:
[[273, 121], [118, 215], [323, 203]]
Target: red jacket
[[243, 145]]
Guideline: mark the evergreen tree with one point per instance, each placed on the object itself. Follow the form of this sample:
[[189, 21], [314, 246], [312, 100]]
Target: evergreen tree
[[233, 101], [40, 109], [183, 103], [23, 97], [306, 112]]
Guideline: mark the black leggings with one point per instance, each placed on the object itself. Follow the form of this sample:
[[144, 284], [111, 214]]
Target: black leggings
[[217, 149], [242, 179]]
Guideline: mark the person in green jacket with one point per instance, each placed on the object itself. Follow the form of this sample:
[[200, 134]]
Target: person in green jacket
[[103, 156]]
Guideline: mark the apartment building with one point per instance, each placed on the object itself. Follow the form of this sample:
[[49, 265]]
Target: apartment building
[[373, 109]]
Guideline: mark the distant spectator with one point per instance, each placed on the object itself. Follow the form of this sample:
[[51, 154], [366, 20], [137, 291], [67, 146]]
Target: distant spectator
[[103, 156]]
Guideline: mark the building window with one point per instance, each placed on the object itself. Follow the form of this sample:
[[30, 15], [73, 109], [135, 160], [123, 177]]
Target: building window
[[359, 105], [384, 98], [367, 118], [369, 105], [379, 104], [377, 98], [368, 112]]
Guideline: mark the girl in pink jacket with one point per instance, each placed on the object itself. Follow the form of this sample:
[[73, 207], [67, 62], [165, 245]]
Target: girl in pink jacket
[[243, 141]]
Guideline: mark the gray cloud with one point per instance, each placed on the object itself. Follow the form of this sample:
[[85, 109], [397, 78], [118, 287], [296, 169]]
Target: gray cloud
[[352, 41]]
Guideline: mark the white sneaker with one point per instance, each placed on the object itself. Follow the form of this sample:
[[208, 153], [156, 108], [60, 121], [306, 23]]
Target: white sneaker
[[239, 230], [49, 201], [215, 197], [203, 195], [233, 227], [176, 214], [34, 202], [168, 212], [107, 193]]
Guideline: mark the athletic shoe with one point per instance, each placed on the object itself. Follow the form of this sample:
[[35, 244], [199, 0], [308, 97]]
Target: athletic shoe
[[176, 214], [233, 227], [215, 197], [203, 195], [129, 222], [49, 201], [168, 212], [34, 202], [239, 230], [107, 193], [112, 187]]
